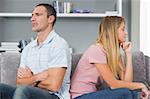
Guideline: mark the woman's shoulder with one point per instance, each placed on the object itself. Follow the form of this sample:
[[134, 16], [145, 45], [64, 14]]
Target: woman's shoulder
[[97, 46]]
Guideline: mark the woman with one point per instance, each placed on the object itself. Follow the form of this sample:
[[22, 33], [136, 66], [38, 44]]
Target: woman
[[102, 62]]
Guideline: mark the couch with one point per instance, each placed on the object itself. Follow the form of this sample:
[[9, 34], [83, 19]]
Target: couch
[[9, 63]]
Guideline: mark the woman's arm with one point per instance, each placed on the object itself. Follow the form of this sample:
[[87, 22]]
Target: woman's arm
[[109, 78], [107, 75], [128, 73]]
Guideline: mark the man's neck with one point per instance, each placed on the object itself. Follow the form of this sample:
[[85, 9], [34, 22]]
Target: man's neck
[[41, 37]]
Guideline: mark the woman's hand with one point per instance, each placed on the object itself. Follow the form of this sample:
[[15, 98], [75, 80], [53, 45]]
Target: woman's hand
[[145, 93], [126, 46]]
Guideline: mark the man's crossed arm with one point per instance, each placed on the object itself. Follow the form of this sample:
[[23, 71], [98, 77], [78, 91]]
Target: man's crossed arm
[[51, 79]]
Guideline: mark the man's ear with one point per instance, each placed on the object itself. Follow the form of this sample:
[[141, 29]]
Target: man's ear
[[51, 19]]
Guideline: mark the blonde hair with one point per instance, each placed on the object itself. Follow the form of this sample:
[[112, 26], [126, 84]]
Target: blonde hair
[[108, 37]]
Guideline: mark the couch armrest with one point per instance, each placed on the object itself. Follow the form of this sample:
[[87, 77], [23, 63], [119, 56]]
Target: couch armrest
[[0, 65], [147, 64], [9, 65]]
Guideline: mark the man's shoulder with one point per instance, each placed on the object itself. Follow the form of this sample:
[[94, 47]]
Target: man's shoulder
[[28, 46], [60, 41]]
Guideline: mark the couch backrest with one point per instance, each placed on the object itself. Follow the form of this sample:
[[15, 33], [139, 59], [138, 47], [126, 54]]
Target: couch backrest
[[75, 60], [139, 68], [9, 63]]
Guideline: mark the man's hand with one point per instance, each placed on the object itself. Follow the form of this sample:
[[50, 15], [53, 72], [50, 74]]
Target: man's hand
[[41, 76], [24, 72]]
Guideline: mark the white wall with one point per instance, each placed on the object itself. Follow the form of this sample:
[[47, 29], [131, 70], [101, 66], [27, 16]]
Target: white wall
[[135, 24], [79, 32]]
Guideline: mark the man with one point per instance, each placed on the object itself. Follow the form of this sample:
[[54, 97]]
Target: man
[[44, 71]]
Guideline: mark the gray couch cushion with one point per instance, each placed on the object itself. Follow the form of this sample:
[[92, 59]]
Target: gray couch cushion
[[9, 65], [139, 67], [75, 60]]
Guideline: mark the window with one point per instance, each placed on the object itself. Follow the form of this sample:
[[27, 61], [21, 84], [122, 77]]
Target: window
[[145, 26]]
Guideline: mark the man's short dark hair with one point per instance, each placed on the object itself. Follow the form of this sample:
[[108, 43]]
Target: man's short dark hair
[[50, 10]]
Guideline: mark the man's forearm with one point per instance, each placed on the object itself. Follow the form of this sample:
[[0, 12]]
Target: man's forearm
[[25, 76], [46, 85], [54, 79], [26, 81]]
